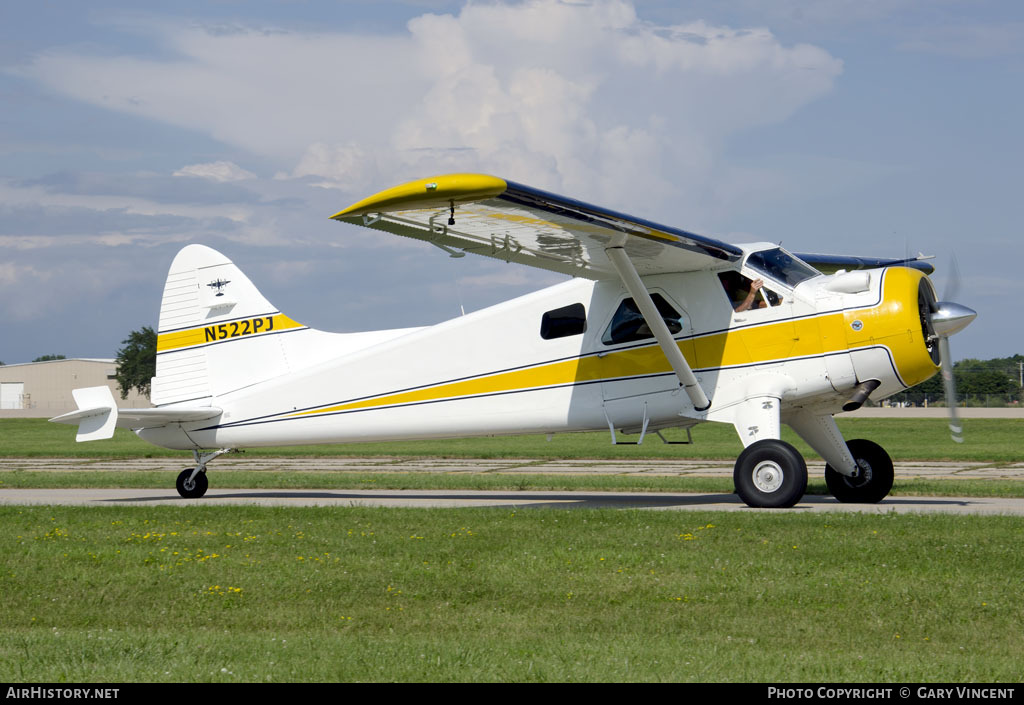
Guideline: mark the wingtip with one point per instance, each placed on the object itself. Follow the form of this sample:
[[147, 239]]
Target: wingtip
[[436, 191]]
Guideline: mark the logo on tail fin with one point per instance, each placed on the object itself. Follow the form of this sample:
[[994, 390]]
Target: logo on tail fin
[[218, 285]]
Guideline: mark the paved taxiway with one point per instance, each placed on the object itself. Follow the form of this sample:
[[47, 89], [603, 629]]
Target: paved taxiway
[[469, 498]]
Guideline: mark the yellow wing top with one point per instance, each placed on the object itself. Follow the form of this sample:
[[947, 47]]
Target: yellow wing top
[[489, 216]]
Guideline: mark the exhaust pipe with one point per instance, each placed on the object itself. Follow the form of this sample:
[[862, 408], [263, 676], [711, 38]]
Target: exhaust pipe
[[861, 394]]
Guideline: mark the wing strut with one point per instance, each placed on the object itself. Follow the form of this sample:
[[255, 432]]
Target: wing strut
[[635, 287]]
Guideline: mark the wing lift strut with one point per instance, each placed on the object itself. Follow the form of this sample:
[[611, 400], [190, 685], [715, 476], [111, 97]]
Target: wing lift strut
[[635, 286]]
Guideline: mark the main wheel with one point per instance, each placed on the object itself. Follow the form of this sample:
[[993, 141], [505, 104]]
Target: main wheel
[[770, 473], [194, 488], [874, 477]]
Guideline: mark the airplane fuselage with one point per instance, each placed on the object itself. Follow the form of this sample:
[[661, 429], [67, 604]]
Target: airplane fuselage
[[514, 368]]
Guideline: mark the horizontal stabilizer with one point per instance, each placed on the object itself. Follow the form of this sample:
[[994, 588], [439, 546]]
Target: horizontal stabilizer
[[98, 415], [147, 418]]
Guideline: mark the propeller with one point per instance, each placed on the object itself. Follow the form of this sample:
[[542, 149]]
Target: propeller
[[948, 318]]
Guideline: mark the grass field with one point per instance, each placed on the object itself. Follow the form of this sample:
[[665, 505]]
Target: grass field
[[210, 594], [349, 594]]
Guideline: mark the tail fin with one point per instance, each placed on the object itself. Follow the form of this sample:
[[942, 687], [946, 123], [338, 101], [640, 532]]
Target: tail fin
[[217, 333]]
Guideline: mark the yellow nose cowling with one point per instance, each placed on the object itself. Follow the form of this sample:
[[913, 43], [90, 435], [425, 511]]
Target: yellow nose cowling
[[895, 323]]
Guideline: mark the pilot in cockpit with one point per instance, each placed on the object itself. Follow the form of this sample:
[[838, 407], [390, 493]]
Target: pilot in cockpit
[[743, 293]]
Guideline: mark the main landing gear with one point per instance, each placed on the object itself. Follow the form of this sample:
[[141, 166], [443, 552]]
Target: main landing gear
[[772, 474], [874, 475], [192, 483]]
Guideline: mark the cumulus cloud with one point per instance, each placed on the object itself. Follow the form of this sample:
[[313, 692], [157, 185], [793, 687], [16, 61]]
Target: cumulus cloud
[[588, 99]]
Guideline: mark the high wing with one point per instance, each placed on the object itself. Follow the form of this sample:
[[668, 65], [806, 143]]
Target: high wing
[[516, 223], [497, 218], [489, 216]]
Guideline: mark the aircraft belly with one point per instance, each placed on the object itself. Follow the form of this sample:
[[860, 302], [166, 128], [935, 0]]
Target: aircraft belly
[[633, 413], [172, 436]]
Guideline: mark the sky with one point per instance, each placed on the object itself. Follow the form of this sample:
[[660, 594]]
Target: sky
[[129, 130]]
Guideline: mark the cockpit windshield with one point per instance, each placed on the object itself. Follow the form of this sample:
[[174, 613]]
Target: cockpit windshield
[[782, 266]]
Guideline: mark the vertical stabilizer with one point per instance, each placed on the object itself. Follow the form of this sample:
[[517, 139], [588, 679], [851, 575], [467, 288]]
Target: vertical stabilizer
[[217, 333]]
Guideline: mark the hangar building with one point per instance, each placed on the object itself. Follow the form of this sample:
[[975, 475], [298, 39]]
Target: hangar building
[[43, 389]]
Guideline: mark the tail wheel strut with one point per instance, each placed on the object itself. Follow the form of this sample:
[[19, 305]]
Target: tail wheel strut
[[192, 483]]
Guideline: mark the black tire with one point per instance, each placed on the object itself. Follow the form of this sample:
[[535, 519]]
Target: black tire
[[770, 473], [196, 488], [873, 481]]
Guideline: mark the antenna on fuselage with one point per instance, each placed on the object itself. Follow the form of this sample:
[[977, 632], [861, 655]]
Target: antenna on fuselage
[[458, 295]]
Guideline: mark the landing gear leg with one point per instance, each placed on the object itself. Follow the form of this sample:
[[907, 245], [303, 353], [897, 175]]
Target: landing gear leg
[[859, 471], [192, 483]]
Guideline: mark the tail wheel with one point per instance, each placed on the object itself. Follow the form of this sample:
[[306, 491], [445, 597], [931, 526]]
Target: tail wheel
[[770, 473], [194, 487], [874, 477]]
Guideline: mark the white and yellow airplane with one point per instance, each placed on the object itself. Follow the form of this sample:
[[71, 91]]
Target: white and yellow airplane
[[658, 328]]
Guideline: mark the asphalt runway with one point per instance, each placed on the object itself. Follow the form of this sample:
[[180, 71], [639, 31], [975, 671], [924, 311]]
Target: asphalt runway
[[471, 498]]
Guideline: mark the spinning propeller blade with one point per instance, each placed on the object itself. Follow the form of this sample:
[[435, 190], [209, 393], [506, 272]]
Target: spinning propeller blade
[[949, 318]]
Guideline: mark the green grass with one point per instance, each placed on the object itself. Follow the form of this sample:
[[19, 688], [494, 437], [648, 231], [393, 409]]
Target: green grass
[[987, 440], [359, 594]]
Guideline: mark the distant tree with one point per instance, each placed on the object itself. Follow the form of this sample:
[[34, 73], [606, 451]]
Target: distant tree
[[47, 358], [999, 377], [136, 362]]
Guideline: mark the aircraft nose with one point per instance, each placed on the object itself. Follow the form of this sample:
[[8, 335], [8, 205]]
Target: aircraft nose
[[950, 318]]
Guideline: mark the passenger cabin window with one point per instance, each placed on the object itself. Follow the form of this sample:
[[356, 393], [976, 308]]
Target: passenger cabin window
[[746, 294], [628, 323], [563, 322]]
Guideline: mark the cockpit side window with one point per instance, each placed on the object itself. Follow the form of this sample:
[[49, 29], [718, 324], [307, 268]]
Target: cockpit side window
[[746, 294], [628, 323]]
